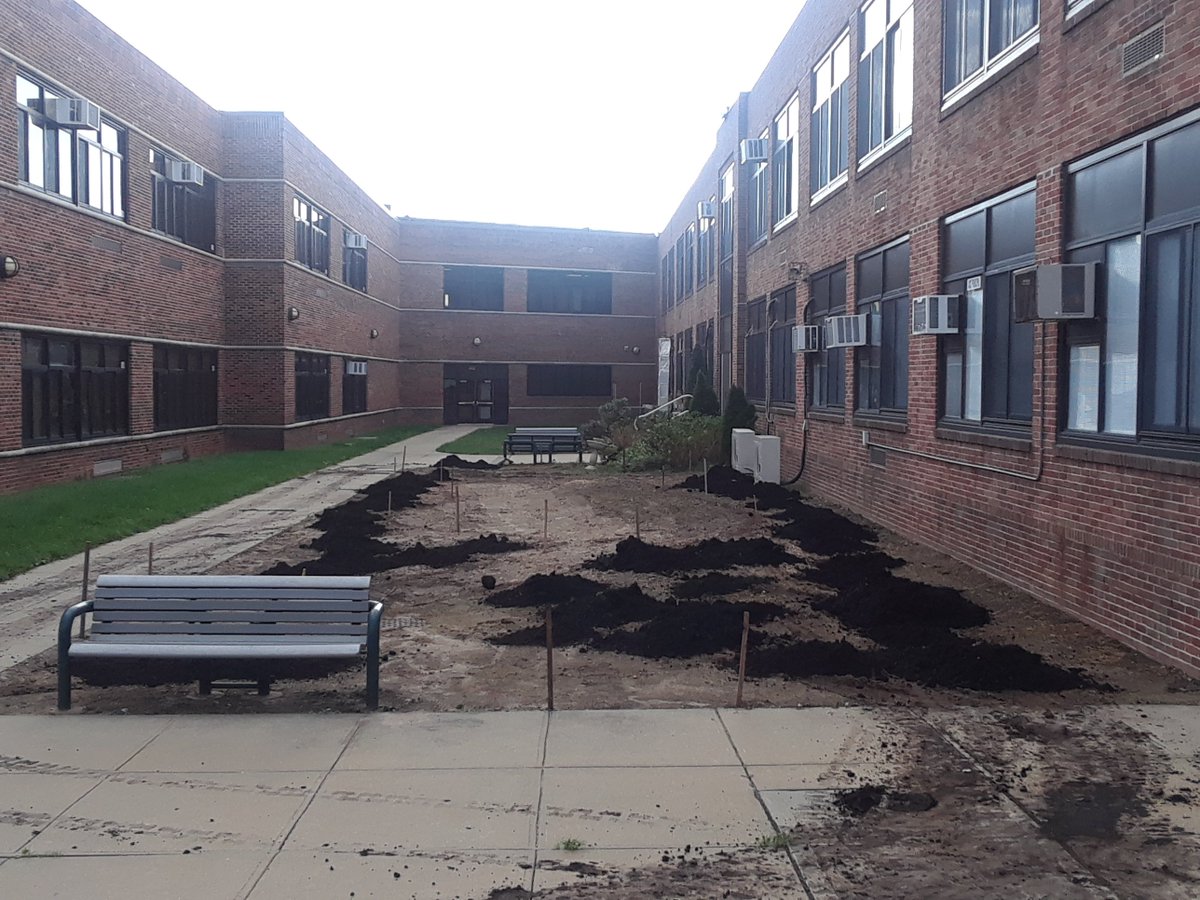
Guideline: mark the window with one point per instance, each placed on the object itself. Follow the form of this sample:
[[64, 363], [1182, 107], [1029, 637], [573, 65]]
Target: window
[[187, 212], [976, 34], [885, 73], [1133, 372], [704, 249], [830, 117], [689, 263], [786, 161], [827, 367], [354, 264], [83, 165], [73, 390], [756, 350], [781, 314], [354, 387], [570, 292], [312, 235], [759, 187], [185, 387], [987, 370], [680, 269], [726, 214], [668, 280], [473, 287], [312, 386], [568, 381], [882, 381]]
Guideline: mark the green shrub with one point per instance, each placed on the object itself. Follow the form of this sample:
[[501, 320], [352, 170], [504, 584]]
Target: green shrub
[[677, 443], [704, 398], [613, 414], [739, 413]]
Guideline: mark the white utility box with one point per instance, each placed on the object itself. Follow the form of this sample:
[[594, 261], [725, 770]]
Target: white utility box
[[745, 453], [767, 468]]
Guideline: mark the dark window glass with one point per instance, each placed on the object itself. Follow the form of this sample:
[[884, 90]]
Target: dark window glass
[[473, 287], [73, 390], [1171, 333], [1175, 187], [966, 246], [829, 143], [756, 350], [354, 387], [689, 264], [1106, 198], [312, 386], [185, 387], [882, 365], [976, 32], [1011, 230], [187, 212], [826, 368], [312, 235], [354, 267], [568, 381], [570, 292], [782, 312], [681, 288]]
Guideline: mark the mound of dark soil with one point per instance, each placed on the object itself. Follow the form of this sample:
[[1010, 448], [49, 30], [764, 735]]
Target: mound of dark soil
[[685, 630], [712, 584], [861, 800], [635, 555], [952, 661], [806, 658], [541, 590], [893, 610], [582, 618], [457, 462], [851, 570]]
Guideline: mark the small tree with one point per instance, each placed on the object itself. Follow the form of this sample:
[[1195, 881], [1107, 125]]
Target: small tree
[[704, 398], [739, 413]]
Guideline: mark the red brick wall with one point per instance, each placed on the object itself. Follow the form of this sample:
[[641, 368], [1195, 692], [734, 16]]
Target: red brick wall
[[1109, 537]]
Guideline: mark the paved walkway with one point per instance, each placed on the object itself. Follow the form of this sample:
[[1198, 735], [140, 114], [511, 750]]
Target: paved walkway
[[430, 805], [31, 603]]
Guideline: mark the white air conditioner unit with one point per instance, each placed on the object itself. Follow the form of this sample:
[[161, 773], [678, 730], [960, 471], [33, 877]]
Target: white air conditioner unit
[[356, 367], [706, 209], [1065, 291], [937, 314], [806, 338], [182, 172], [846, 331], [73, 112], [755, 150], [356, 241]]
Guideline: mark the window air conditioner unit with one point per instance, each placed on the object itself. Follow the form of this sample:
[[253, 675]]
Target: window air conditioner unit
[[706, 209], [356, 367], [806, 338], [182, 172], [356, 241], [846, 331], [755, 150], [72, 112], [937, 314], [1065, 291]]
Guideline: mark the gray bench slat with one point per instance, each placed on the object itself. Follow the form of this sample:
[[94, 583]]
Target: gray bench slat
[[226, 628], [204, 640], [183, 606], [241, 615], [215, 651], [332, 582], [211, 593]]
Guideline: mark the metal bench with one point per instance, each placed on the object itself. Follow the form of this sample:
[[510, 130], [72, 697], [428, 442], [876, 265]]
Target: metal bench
[[213, 618], [544, 441]]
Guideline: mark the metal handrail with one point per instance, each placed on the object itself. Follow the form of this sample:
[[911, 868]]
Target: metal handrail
[[659, 409]]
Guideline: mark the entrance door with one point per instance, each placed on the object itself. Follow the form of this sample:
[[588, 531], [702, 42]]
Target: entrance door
[[475, 394]]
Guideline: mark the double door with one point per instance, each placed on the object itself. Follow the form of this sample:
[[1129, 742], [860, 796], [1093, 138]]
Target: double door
[[475, 394]]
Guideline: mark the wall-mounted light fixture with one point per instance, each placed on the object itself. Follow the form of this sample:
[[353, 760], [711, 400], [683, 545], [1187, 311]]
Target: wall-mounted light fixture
[[374, 333], [9, 266], [637, 349], [293, 313], [477, 342]]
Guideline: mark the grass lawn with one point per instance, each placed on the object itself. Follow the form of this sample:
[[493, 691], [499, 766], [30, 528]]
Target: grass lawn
[[484, 442], [55, 521]]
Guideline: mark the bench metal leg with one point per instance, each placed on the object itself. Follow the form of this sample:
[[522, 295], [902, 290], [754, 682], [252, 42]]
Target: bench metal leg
[[374, 622], [205, 686], [264, 687], [64, 650]]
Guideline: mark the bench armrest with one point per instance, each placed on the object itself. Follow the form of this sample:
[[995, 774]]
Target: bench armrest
[[374, 624], [64, 650]]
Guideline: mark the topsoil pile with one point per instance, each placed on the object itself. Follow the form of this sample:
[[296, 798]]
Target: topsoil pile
[[635, 555]]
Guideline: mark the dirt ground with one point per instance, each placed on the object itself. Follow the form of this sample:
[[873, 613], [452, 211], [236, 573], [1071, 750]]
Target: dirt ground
[[997, 693]]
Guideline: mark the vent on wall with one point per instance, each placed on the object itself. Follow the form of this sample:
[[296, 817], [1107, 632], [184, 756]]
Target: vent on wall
[[1141, 51]]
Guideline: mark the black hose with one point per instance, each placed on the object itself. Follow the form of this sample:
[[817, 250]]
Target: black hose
[[803, 457]]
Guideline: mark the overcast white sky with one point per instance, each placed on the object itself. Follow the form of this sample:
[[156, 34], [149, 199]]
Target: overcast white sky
[[540, 112]]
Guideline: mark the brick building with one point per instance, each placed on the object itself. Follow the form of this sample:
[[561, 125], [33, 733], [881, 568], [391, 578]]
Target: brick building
[[193, 281], [917, 148]]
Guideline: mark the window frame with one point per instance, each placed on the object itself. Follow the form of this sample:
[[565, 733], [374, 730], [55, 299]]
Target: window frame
[[312, 226], [185, 212], [825, 370], [821, 143], [564, 376], [185, 396], [311, 386], [781, 360], [481, 288], [893, 378], [595, 288], [754, 353], [355, 273], [95, 397], [785, 165], [758, 220], [892, 131], [992, 62], [355, 388]]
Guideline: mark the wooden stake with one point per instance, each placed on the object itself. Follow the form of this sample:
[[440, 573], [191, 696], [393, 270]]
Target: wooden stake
[[393, 465], [545, 519], [150, 560], [403, 457], [457, 513], [637, 523], [389, 503], [304, 572], [756, 504], [83, 591], [663, 483], [706, 476], [742, 659], [549, 660]]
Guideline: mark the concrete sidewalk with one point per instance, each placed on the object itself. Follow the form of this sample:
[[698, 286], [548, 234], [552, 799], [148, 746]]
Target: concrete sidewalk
[[31, 603], [428, 805]]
